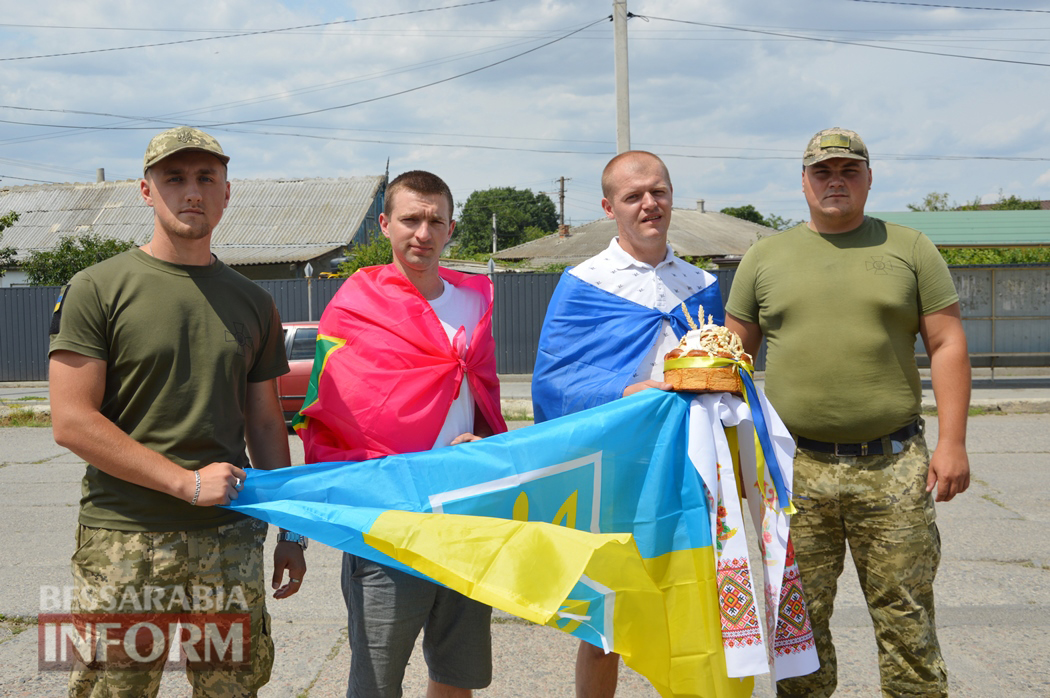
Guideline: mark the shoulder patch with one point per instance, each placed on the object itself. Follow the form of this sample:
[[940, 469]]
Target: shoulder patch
[[56, 314]]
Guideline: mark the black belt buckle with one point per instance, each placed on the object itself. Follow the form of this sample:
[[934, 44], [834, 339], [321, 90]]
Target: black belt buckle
[[854, 448]]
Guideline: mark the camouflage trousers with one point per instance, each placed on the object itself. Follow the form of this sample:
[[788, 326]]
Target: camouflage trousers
[[210, 570], [880, 507]]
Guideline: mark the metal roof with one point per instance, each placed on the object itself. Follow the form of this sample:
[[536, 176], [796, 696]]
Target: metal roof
[[692, 233], [268, 220], [977, 228]]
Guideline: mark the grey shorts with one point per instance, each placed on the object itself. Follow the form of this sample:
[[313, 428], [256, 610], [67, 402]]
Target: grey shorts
[[386, 609]]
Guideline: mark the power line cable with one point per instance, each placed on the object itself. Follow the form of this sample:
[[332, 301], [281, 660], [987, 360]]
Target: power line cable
[[843, 41], [327, 109], [952, 7], [413, 89], [166, 118], [27, 179], [252, 33]]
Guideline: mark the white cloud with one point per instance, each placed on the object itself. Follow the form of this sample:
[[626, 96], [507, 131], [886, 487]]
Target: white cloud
[[695, 91]]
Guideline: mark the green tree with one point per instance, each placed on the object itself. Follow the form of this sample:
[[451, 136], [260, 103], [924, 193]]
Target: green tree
[[747, 212], [934, 201], [57, 266], [516, 210], [7, 254], [995, 255], [779, 222], [1004, 203], [1015, 203], [373, 253]]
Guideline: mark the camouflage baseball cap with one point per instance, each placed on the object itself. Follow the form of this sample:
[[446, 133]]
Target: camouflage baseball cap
[[178, 139], [834, 143]]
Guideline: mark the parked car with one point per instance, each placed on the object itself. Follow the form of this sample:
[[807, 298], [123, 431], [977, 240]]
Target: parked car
[[300, 339]]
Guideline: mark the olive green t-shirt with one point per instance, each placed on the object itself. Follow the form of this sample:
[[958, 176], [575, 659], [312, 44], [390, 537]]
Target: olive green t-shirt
[[180, 344], [840, 313]]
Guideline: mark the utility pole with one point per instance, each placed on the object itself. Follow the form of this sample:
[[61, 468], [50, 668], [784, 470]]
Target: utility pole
[[563, 230], [623, 99], [561, 199], [493, 232]]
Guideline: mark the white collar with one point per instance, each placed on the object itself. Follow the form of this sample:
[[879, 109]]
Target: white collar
[[622, 260]]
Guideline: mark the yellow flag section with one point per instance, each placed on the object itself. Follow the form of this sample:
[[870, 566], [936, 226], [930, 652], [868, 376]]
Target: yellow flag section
[[630, 565], [657, 613]]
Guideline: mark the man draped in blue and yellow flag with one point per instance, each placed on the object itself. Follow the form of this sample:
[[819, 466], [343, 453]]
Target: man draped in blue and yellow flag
[[612, 319]]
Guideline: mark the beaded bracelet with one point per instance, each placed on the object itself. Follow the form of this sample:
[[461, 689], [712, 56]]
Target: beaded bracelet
[[193, 502]]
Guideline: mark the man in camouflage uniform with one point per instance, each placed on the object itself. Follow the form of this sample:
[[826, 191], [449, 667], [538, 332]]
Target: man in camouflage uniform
[[840, 300], [163, 365]]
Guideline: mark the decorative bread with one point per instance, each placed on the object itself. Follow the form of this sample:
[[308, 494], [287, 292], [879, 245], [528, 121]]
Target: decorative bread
[[710, 340]]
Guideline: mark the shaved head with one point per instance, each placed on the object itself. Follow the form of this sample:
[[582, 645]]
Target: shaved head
[[630, 160]]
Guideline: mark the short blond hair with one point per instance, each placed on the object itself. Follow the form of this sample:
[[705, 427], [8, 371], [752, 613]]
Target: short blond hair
[[628, 155]]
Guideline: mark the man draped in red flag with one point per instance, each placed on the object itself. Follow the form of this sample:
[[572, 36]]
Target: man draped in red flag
[[406, 362]]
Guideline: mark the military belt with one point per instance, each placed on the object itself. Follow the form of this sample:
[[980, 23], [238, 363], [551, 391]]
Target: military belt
[[878, 447]]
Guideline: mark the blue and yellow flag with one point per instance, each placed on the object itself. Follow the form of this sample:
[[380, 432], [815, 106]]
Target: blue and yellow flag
[[596, 523]]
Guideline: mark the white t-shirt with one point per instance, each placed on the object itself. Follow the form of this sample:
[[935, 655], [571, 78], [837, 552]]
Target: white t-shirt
[[662, 287], [458, 308]]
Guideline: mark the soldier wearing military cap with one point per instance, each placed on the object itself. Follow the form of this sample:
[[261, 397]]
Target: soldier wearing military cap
[[840, 300], [163, 363]]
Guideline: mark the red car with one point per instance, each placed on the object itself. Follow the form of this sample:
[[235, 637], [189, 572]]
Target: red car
[[299, 341]]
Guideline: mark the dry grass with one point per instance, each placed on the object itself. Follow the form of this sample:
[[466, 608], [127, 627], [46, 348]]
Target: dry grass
[[24, 417]]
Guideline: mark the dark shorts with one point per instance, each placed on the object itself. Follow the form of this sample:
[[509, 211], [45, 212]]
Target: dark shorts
[[386, 609]]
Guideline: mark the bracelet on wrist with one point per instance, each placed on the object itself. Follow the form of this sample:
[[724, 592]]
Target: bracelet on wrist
[[197, 493]]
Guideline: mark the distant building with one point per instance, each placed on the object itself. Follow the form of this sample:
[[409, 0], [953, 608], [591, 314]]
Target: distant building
[[694, 232], [272, 228], [977, 228]]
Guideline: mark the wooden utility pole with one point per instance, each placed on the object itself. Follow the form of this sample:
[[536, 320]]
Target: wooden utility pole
[[561, 200], [623, 99]]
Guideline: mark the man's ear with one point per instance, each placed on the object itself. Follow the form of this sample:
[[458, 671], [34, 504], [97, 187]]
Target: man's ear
[[147, 193], [384, 222], [607, 207]]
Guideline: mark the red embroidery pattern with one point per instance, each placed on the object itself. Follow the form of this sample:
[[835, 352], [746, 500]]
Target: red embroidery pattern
[[794, 633], [737, 603]]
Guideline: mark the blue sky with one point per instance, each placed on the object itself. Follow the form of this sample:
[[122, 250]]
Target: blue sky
[[728, 91]]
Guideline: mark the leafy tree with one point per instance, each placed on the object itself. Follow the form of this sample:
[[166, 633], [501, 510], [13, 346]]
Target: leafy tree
[[995, 255], [747, 212], [779, 222], [934, 201], [57, 266], [375, 252], [938, 201], [516, 210], [699, 262], [7, 254], [1014, 203]]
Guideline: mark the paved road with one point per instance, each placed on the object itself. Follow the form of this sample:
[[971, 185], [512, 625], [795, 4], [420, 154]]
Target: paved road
[[993, 589]]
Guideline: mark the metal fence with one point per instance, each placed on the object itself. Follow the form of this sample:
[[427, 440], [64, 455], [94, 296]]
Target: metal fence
[[25, 315], [1006, 314]]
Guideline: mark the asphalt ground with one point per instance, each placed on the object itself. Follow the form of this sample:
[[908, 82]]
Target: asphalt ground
[[993, 588]]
